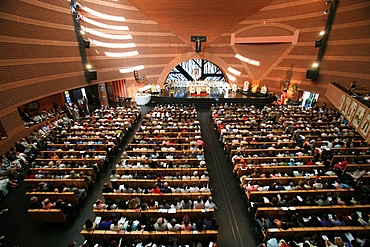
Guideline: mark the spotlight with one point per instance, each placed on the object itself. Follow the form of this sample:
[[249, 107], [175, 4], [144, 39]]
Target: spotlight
[[326, 12], [322, 33], [318, 42], [87, 43], [315, 65], [88, 66], [328, 2]]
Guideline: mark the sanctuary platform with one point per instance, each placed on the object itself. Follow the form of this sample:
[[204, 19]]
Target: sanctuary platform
[[216, 96]]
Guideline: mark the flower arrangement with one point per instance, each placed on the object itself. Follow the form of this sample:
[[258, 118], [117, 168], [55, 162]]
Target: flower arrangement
[[142, 79]]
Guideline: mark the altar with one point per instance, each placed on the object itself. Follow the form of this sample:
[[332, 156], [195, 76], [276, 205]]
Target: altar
[[198, 87], [142, 98]]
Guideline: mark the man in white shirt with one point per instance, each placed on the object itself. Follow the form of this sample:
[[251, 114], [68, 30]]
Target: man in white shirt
[[209, 203]]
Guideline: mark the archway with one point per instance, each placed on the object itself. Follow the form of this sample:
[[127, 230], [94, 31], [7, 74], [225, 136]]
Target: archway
[[196, 77], [196, 69]]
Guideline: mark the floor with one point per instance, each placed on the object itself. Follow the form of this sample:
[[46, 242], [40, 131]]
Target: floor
[[236, 225]]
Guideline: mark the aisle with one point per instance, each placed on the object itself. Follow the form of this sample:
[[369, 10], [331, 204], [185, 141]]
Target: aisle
[[236, 225]]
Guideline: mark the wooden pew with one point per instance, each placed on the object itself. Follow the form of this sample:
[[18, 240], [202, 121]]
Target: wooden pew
[[190, 161], [349, 157], [285, 180], [253, 196], [353, 167], [281, 169], [97, 161], [172, 171], [155, 213], [87, 170], [174, 140], [153, 145], [279, 159], [47, 215], [68, 197], [175, 152], [188, 237], [117, 196], [276, 212], [149, 182], [172, 134], [267, 151], [75, 152], [297, 232], [78, 182]]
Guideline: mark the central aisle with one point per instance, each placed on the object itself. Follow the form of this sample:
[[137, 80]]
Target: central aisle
[[236, 225]]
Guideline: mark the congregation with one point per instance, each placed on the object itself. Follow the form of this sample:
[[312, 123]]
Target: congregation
[[160, 184], [298, 168]]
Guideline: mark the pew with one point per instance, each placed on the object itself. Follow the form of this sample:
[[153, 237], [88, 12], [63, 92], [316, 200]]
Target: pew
[[87, 170], [47, 215], [253, 196], [150, 182], [275, 212], [78, 182], [118, 196], [281, 169], [105, 236], [155, 213], [68, 197], [296, 232]]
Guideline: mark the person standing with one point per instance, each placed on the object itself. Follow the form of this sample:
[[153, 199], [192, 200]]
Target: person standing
[[353, 86]]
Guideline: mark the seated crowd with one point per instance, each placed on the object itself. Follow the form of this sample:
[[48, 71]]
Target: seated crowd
[[168, 139], [317, 146]]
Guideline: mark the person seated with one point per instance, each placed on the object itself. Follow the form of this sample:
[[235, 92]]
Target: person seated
[[211, 224], [186, 225], [186, 203], [173, 226], [131, 225], [46, 204], [325, 221], [107, 188], [198, 204], [262, 225], [80, 193], [165, 188], [161, 224], [34, 203], [132, 204], [89, 225], [209, 203], [116, 225], [114, 175], [99, 204], [67, 208], [339, 220]]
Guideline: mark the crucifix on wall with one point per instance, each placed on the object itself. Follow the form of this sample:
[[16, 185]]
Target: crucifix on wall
[[198, 41]]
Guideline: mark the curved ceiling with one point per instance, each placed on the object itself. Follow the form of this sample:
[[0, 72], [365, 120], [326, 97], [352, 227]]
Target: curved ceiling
[[194, 18]]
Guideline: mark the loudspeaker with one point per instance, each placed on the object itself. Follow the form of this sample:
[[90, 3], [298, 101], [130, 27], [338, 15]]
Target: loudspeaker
[[91, 75], [318, 43], [312, 74], [86, 44]]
